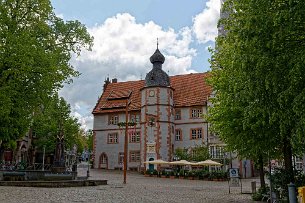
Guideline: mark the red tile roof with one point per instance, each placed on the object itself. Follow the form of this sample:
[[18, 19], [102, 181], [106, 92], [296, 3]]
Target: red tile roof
[[189, 90]]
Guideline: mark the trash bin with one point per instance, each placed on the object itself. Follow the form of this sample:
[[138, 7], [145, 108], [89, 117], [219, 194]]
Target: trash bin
[[301, 196]]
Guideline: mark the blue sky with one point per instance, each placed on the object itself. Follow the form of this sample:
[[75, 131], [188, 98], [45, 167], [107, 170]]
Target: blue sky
[[125, 33]]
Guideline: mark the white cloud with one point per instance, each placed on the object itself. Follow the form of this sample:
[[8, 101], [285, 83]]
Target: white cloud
[[205, 23], [84, 121], [122, 48]]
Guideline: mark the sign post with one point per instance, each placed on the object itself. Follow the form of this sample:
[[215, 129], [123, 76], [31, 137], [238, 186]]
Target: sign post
[[234, 179]]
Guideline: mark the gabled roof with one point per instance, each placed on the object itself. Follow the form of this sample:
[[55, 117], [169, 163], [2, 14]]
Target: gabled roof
[[189, 90]]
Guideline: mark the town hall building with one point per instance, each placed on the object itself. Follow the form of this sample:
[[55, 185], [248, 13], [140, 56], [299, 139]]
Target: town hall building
[[165, 112]]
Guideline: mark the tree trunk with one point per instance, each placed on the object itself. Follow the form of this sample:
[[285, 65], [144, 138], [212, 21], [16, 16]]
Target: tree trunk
[[287, 151], [261, 171]]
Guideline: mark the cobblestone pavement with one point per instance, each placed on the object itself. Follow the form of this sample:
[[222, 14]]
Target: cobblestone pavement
[[138, 189]]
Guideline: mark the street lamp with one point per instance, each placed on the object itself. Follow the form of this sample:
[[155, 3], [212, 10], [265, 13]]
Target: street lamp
[[88, 170], [126, 142], [121, 124]]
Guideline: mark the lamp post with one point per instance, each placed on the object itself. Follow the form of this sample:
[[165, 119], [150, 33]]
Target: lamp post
[[126, 142], [88, 170]]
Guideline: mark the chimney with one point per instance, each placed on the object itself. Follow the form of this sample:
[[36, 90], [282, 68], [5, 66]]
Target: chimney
[[106, 82], [114, 80]]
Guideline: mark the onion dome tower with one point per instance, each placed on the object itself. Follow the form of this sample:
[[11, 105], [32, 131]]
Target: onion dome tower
[[157, 77], [157, 116]]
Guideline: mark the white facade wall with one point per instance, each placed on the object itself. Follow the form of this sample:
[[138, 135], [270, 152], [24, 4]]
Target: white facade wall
[[102, 129], [186, 123]]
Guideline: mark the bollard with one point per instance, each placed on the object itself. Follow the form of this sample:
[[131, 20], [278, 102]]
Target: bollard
[[253, 187], [292, 193]]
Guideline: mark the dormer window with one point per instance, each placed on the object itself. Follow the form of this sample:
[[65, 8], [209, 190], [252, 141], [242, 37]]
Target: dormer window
[[196, 112]]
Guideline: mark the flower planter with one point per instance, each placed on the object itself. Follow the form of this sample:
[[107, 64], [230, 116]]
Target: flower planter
[[172, 177]]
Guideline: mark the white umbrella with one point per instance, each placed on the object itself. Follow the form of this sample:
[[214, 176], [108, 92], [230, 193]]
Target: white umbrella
[[208, 162], [180, 162]]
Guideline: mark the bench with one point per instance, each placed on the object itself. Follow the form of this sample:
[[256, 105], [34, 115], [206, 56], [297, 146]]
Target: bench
[[13, 176]]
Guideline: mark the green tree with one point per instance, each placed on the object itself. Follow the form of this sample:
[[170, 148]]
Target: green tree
[[35, 49], [257, 74], [53, 118], [89, 139], [200, 153], [181, 154]]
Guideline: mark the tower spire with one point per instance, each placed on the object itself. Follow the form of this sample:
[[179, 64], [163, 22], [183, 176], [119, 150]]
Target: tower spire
[[157, 42]]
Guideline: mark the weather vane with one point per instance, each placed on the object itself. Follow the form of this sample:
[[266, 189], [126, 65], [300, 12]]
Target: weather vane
[[157, 42]]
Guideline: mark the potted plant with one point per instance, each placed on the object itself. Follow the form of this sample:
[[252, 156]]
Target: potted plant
[[191, 175], [172, 174], [186, 174], [148, 173], [155, 173], [163, 174], [212, 175], [167, 174]]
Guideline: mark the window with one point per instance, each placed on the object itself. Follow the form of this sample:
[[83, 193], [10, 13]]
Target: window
[[121, 158], [134, 137], [103, 159], [135, 118], [178, 114], [196, 133], [298, 163], [216, 152], [112, 138], [134, 156], [196, 113], [178, 134], [113, 119]]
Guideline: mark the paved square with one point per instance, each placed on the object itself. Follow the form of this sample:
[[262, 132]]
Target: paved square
[[137, 189]]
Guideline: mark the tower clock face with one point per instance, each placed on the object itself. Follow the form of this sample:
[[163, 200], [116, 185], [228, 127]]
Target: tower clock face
[[151, 93]]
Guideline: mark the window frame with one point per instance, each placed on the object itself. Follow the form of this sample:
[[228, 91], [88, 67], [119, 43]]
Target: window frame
[[180, 135], [196, 133], [112, 120], [196, 112], [135, 118], [135, 137], [112, 138], [216, 151], [135, 156]]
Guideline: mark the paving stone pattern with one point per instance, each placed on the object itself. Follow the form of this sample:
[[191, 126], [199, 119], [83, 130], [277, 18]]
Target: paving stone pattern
[[138, 189]]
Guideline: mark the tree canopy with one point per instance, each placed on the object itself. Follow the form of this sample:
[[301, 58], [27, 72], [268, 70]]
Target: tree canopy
[[196, 153], [52, 118], [35, 49], [258, 78]]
